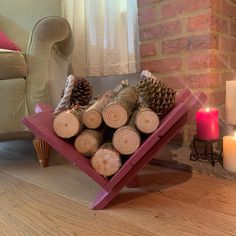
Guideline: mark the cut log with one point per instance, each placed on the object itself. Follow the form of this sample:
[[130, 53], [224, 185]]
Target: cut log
[[88, 141], [68, 123], [116, 114], [146, 120], [92, 117], [126, 139], [106, 160]]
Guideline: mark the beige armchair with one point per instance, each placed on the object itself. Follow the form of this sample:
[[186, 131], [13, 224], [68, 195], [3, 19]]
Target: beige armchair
[[38, 76]]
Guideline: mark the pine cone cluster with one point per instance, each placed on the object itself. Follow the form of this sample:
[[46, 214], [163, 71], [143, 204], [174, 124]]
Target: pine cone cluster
[[81, 93], [156, 95]]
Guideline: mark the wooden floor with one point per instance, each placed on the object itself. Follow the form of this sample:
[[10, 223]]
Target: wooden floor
[[167, 202]]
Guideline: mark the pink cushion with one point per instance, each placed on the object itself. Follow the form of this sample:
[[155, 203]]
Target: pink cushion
[[6, 43]]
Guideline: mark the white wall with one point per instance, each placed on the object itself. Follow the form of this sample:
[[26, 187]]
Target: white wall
[[17, 17]]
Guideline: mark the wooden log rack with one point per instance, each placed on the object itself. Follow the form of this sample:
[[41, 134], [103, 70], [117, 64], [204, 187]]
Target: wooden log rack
[[186, 106]]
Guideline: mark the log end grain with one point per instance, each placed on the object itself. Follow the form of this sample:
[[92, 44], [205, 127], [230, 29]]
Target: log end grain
[[114, 115], [106, 162], [92, 119], [126, 140], [88, 142], [147, 121], [66, 125]]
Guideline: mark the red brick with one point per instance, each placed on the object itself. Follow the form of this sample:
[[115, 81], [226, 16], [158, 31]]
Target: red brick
[[174, 45], [219, 61], [194, 81], [199, 61], [228, 8], [204, 41], [215, 5], [198, 23], [162, 66], [147, 16], [233, 62], [148, 49], [216, 98], [228, 76], [197, 42], [204, 81], [228, 44], [142, 3], [177, 82], [177, 7], [160, 31], [219, 24], [207, 60], [233, 28]]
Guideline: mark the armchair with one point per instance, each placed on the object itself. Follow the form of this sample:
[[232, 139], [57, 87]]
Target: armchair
[[36, 77]]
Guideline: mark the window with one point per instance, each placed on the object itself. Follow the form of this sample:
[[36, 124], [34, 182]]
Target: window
[[106, 36]]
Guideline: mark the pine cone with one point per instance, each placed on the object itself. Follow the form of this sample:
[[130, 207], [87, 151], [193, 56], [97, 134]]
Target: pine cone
[[158, 96], [81, 93]]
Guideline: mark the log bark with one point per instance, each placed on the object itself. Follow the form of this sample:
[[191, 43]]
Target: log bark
[[92, 117], [68, 123], [116, 114], [126, 139], [106, 160], [146, 120], [88, 141]]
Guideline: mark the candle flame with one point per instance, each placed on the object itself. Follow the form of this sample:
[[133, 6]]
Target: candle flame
[[208, 109]]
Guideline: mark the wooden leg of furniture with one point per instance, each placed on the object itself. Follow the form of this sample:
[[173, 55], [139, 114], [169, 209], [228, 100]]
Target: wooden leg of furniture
[[43, 151]]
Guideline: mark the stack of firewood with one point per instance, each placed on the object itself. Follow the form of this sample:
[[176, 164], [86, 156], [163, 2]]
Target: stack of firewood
[[110, 129]]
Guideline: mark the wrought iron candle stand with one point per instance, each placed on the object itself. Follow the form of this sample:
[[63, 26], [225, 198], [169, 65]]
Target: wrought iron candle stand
[[207, 153]]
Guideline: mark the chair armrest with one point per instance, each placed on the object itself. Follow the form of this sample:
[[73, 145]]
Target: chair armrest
[[49, 48]]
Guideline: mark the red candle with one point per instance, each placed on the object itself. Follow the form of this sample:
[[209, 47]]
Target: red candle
[[207, 124]]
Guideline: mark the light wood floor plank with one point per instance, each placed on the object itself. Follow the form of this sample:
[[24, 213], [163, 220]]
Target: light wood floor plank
[[39, 212], [172, 217], [56, 201]]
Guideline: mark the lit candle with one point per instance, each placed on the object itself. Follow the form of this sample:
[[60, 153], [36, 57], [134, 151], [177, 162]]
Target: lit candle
[[229, 152], [207, 124], [230, 102]]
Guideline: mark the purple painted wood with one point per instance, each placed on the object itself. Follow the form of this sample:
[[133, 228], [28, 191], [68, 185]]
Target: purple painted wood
[[41, 125], [167, 122], [183, 95], [42, 107], [104, 197], [133, 183]]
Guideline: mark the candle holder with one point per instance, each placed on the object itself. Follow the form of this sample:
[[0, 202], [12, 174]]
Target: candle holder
[[207, 153]]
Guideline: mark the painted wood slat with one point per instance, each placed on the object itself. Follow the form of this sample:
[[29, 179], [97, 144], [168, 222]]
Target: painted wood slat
[[41, 125], [105, 196]]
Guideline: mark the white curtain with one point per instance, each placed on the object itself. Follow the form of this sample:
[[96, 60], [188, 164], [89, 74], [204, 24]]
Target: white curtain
[[105, 34]]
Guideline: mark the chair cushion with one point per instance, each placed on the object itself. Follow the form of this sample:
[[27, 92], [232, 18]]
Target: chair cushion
[[12, 64], [6, 43]]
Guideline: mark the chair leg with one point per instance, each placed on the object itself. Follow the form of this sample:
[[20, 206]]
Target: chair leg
[[43, 151]]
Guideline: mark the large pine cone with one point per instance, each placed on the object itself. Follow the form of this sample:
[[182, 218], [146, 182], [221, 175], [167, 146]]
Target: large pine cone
[[156, 95], [81, 93]]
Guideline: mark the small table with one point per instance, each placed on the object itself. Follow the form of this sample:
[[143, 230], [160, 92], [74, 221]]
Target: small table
[[207, 154]]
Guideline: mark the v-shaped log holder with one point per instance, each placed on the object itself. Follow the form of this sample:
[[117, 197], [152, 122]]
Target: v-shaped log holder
[[186, 106]]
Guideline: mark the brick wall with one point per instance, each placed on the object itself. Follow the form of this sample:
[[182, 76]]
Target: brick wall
[[190, 43]]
